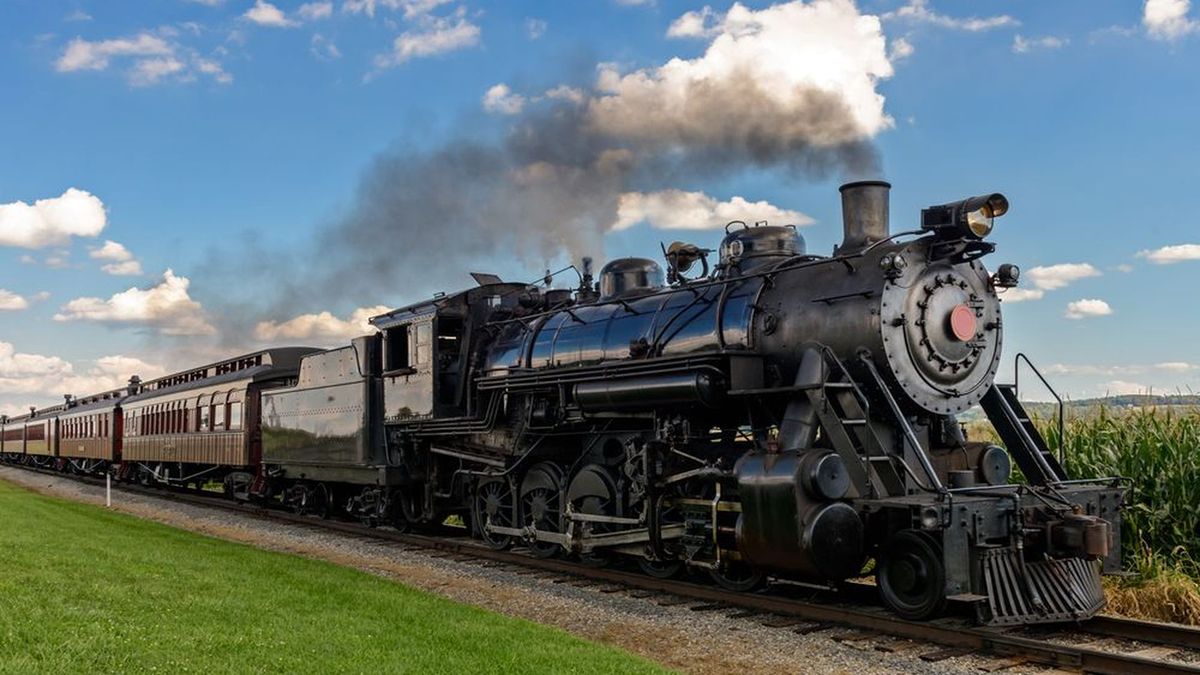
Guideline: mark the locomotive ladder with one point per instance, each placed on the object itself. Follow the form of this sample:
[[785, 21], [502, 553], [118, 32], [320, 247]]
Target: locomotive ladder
[[1022, 438], [844, 412]]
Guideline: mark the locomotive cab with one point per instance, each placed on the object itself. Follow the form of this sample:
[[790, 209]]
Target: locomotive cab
[[427, 349]]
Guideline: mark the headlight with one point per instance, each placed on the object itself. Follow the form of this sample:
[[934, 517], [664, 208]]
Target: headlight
[[973, 217]]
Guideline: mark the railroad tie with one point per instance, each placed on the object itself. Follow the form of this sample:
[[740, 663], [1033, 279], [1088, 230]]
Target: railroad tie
[[943, 654], [708, 606], [743, 613], [997, 665], [671, 601], [854, 636], [809, 628], [900, 646], [782, 621]]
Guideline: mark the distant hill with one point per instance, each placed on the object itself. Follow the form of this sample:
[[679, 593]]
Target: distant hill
[[1089, 406]]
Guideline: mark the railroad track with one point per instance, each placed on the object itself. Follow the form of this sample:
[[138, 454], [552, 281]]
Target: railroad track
[[1105, 644]]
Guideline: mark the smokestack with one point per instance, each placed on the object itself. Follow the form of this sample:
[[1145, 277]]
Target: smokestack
[[864, 214]]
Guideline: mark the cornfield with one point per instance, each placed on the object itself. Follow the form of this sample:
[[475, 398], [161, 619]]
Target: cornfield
[[1158, 450]]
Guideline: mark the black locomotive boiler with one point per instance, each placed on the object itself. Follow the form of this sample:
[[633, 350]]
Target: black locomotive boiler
[[781, 415]]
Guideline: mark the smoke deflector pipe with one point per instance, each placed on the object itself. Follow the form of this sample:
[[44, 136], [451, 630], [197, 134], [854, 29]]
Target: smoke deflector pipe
[[864, 214]]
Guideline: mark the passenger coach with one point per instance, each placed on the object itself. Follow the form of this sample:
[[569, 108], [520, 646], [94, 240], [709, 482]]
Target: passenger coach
[[202, 424]]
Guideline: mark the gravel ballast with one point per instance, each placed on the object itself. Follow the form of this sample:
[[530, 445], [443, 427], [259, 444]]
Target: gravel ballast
[[675, 636]]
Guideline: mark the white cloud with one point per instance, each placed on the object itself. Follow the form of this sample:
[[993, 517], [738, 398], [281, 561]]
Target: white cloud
[[919, 11], [699, 23], [122, 261], [1022, 294], [264, 13], [213, 69], [1177, 366], [1124, 268], [1082, 309], [10, 301], [315, 11], [50, 222], [680, 210], [1169, 255], [152, 71], [323, 327], [635, 3], [324, 48], [83, 55], [900, 49], [1024, 45], [52, 376], [155, 58], [1053, 277], [412, 9], [128, 268], [78, 15], [165, 307], [111, 250], [500, 99], [566, 93], [535, 28], [1123, 388], [437, 35], [768, 78], [1168, 19]]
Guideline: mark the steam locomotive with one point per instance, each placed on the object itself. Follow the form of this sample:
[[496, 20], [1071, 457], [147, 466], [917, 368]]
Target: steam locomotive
[[780, 415]]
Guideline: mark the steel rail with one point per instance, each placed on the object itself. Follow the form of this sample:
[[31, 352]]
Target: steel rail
[[947, 632]]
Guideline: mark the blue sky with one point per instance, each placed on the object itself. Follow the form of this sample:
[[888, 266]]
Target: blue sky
[[227, 140]]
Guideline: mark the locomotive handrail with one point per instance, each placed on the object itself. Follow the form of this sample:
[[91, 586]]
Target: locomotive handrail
[[805, 260], [1062, 429]]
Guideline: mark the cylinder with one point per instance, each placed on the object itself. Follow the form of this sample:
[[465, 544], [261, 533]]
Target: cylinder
[[864, 214]]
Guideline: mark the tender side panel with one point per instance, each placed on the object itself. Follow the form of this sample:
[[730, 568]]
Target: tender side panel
[[322, 419]]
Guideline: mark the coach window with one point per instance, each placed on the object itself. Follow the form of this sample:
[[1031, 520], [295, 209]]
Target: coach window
[[205, 414], [235, 411], [218, 412]]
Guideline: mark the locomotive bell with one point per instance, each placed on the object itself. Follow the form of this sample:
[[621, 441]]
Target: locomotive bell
[[864, 214]]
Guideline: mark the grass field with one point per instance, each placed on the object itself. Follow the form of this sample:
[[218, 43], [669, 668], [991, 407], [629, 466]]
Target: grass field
[[83, 589]]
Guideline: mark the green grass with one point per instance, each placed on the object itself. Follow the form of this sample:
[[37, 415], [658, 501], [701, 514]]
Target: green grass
[[83, 589]]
